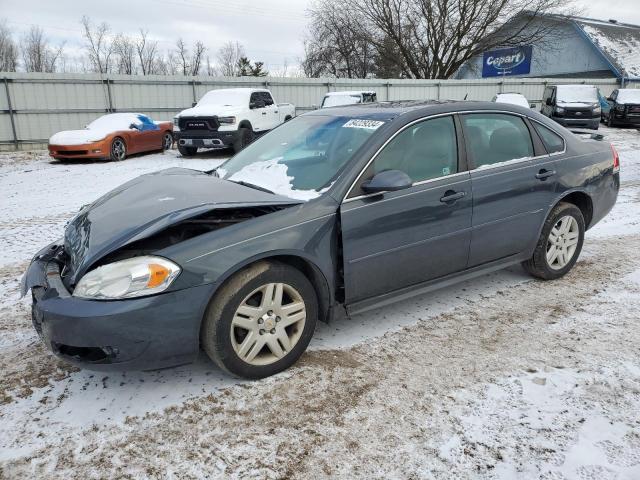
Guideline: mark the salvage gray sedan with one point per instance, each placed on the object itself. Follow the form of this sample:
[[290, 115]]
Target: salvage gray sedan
[[351, 207]]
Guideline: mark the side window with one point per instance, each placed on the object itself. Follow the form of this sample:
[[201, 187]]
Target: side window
[[423, 151], [267, 98], [552, 141], [496, 137], [255, 97]]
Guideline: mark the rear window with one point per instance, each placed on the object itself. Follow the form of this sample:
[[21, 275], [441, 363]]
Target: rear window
[[551, 140]]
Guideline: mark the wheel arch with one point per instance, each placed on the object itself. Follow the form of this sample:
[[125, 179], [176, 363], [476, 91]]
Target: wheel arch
[[581, 200], [307, 266], [245, 124]]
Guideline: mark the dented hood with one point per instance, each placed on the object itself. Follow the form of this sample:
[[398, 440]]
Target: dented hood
[[147, 205]]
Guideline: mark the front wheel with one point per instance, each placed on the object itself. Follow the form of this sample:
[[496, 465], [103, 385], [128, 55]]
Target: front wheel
[[118, 150], [560, 243], [261, 320], [187, 151], [167, 141], [243, 138]]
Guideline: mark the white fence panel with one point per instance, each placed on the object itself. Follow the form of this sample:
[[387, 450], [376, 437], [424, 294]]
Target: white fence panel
[[42, 104]]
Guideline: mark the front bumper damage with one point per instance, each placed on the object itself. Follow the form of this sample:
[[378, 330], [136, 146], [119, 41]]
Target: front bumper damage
[[134, 334]]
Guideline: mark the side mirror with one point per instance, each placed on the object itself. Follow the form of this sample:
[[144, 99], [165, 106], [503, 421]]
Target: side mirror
[[609, 99], [387, 181], [133, 126], [256, 104], [194, 104], [549, 102], [532, 105]]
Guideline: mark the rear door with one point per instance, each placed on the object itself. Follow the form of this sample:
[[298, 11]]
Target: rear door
[[513, 181], [401, 238]]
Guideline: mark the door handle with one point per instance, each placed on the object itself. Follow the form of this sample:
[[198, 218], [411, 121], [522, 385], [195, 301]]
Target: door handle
[[544, 174], [450, 196], [276, 111], [264, 113]]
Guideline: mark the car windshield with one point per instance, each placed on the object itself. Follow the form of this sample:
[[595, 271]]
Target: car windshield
[[628, 96], [230, 98], [577, 94], [301, 158], [336, 100]]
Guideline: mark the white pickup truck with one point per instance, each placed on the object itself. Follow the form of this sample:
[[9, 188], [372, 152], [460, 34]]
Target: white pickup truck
[[230, 117]]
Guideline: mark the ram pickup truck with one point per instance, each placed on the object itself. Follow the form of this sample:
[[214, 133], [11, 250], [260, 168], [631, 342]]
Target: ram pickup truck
[[624, 107], [230, 117]]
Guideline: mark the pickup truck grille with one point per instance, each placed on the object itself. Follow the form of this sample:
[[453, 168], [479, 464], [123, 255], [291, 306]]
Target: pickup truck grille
[[203, 124], [634, 108]]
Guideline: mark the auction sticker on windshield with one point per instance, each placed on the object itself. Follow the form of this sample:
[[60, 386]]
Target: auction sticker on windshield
[[359, 123]]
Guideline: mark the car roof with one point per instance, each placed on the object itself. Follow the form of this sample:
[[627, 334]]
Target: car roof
[[348, 92], [389, 110]]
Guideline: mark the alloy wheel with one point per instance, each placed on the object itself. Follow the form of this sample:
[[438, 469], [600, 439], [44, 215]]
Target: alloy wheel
[[118, 149], [562, 242], [167, 141], [268, 324]]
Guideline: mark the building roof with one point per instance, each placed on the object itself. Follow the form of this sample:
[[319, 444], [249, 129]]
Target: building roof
[[619, 44]]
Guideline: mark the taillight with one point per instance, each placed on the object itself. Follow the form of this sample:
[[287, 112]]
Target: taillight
[[616, 159]]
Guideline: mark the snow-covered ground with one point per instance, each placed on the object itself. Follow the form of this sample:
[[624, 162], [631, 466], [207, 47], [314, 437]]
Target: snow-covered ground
[[502, 377]]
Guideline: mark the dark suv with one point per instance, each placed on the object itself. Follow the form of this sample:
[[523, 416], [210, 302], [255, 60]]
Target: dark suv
[[572, 105], [624, 107]]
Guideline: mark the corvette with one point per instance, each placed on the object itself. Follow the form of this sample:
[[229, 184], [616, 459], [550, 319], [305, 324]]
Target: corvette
[[344, 208], [112, 137]]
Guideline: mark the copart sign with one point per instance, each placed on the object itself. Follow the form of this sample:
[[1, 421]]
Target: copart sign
[[507, 61]]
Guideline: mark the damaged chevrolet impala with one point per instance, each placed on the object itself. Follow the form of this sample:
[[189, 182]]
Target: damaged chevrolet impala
[[349, 208]]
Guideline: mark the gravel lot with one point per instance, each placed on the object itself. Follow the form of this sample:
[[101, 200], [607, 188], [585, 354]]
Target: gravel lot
[[498, 378]]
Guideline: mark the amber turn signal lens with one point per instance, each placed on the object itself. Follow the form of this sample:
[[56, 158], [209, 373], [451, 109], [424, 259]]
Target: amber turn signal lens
[[157, 275]]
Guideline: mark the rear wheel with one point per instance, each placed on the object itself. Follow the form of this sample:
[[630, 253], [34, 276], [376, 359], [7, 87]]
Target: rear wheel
[[118, 150], [560, 243], [243, 138], [187, 151], [261, 320], [167, 141]]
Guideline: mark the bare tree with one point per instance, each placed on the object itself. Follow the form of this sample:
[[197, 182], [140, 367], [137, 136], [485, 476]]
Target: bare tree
[[182, 55], [8, 49], [147, 52], [419, 38], [37, 54], [124, 51], [196, 58], [228, 57], [98, 44]]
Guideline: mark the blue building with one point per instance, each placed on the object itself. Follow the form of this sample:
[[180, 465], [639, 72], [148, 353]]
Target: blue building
[[574, 47]]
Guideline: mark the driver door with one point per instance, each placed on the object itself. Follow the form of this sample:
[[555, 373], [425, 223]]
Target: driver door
[[259, 114], [402, 238]]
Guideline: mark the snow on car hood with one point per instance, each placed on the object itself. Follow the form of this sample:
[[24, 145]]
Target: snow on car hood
[[149, 204], [272, 175], [210, 111], [78, 137], [629, 95], [97, 130]]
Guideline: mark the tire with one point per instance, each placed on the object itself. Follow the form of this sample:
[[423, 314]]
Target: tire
[[187, 151], [118, 150], [167, 141], [610, 121], [242, 344], [243, 138], [287, 118], [543, 264]]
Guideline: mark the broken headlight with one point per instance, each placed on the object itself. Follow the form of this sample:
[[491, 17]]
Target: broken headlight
[[134, 277]]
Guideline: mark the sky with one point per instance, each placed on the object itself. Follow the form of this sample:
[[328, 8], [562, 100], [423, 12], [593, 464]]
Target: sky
[[270, 30]]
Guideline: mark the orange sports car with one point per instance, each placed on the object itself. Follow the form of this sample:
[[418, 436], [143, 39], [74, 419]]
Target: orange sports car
[[113, 137]]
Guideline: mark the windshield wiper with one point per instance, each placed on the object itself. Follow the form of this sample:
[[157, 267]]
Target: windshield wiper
[[252, 185]]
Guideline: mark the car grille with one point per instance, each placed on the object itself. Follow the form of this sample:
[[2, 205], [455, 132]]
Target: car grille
[[578, 113], [634, 109], [204, 124]]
